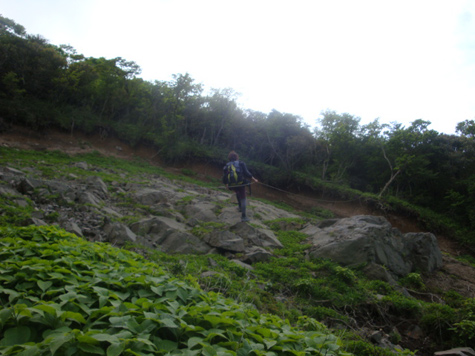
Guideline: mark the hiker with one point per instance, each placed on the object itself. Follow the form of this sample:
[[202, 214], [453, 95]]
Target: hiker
[[235, 177]]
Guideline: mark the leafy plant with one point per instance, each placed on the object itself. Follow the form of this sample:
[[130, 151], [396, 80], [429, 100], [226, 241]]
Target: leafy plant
[[63, 295]]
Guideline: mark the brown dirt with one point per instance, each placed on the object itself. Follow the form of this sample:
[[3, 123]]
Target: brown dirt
[[454, 275]]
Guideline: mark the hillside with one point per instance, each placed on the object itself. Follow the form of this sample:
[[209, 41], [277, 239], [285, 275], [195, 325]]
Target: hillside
[[24, 138], [456, 278]]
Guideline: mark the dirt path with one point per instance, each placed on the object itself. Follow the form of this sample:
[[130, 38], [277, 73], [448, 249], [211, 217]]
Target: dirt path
[[457, 276]]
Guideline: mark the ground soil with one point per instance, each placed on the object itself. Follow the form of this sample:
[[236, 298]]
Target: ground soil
[[454, 275]]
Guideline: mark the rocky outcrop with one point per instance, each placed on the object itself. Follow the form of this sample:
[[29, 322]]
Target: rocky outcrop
[[177, 217], [362, 240]]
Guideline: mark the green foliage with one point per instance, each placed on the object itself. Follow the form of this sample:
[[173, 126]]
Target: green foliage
[[414, 281], [438, 320], [14, 211], [293, 242], [73, 297], [204, 228], [292, 222], [362, 348], [403, 306], [188, 172]]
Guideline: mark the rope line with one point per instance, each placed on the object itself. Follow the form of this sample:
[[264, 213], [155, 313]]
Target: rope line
[[287, 192], [316, 199]]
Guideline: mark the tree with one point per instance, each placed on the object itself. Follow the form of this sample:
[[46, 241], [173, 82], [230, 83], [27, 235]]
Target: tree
[[339, 132], [466, 128], [10, 26], [410, 149]]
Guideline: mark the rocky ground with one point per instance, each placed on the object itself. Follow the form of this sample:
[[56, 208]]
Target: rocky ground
[[453, 275], [79, 143]]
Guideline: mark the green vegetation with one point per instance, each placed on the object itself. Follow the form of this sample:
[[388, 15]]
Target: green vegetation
[[289, 286], [107, 301], [72, 297]]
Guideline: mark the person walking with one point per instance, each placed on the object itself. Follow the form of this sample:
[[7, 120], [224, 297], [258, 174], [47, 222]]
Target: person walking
[[236, 177]]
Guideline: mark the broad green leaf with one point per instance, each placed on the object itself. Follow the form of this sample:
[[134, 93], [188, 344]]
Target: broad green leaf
[[215, 332], [105, 337], [124, 334], [73, 316], [92, 349], [158, 290], [169, 323], [12, 294], [123, 295], [116, 349], [120, 321], [172, 295], [182, 294], [58, 340], [165, 345], [209, 351], [16, 336], [245, 350], [44, 286], [5, 315], [32, 350], [46, 308], [192, 341], [270, 343]]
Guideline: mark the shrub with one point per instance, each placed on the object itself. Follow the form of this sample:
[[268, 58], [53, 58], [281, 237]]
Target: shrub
[[438, 321]]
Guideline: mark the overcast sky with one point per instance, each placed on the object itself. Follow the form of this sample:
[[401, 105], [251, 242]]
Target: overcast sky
[[393, 60]]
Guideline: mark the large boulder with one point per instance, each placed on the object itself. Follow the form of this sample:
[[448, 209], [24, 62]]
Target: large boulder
[[256, 236], [170, 235], [371, 239], [225, 240], [118, 234]]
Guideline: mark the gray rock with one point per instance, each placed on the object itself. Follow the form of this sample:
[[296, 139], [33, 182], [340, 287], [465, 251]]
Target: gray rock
[[111, 211], [225, 240], [35, 221], [459, 351], [118, 233], [371, 239], [82, 165], [201, 211], [256, 254], [149, 196], [374, 271], [89, 198], [98, 186], [28, 185], [426, 255], [182, 242], [170, 235], [256, 237], [4, 190], [14, 171], [243, 265], [157, 225], [72, 227]]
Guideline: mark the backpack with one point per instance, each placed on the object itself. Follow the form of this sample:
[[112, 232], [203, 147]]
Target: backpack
[[233, 174]]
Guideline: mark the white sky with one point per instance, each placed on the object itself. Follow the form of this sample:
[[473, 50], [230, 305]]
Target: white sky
[[394, 60]]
